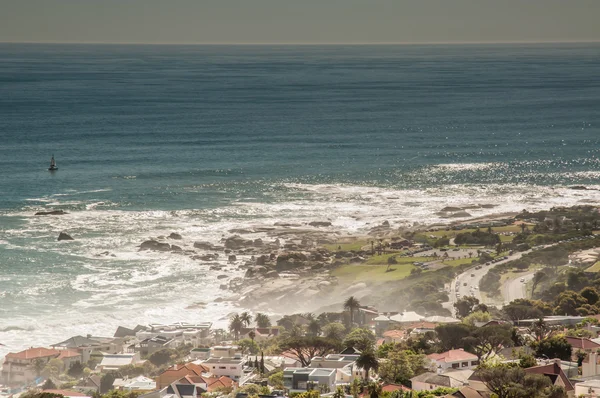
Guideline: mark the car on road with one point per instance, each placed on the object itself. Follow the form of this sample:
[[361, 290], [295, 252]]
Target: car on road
[[465, 284], [472, 275], [522, 279]]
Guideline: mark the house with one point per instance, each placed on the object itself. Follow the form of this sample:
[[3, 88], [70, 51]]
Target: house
[[280, 362], [22, 367], [180, 332], [67, 393], [232, 367], [207, 383], [588, 389], [345, 365], [260, 334], [583, 344], [367, 315], [303, 379], [224, 351], [149, 346], [382, 323], [389, 387], [406, 317], [394, 336], [91, 383], [441, 319], [422, 327], [453, 359], [115, 361], [200, 353], [466, 392], [139, 383], [69, 357], [177, 372], [591, 365], [86, 345], [556, 376], [431, 381]]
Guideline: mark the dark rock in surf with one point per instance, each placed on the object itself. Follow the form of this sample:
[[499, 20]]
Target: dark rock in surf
[[203, 245], [176, 248], [175, 236], [232, 258], [236, 242], [51, 213], [154, 245], [64, 236], [320, 224]]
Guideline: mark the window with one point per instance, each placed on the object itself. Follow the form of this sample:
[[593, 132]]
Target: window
[[454, 366], [233, 367], [465, 364], [222, 367], [474, 363]]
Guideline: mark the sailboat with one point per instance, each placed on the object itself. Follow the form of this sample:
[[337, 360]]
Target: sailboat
[[52, 164]]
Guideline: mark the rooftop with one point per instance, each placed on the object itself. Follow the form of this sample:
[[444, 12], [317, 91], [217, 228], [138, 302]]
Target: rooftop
[[453, 356], [33, 353]]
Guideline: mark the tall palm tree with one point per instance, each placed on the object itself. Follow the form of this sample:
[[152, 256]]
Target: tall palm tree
[[262, 320], [236, 325], [252, 335], [246, 318], [351, 304], [367, 361]]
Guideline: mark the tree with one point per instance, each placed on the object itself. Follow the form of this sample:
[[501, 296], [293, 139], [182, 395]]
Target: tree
[[75, 370], [276, 380], [106, 382], [236, 324], [334, 331], [452, 335], [252, 335], [540, 330], [49, 385], [488, 340], [306, 348], [53, 368], [314, 327], [262, 320], [401, 366], [361, 339], [537, 278], [262, 362], [248, 346], [246, 318], [374, 389], [477, 316], [590, 294], [512, 382], [465, 306], [339, 393], [163, 356], [553, 347], [567, 303], [351, 304], [367, 360], [38, 366]]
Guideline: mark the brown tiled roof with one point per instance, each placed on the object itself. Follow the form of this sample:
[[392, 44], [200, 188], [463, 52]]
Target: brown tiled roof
[[33, 353], [552, 370], [394, 334], [68, 354], [422, 325], [582, 343]]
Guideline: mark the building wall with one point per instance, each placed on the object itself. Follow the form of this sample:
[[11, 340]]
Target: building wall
[[420, 386], [234, 369]]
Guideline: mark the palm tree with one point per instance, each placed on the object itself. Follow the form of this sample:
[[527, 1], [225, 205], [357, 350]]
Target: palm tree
[[374, 390], [351, 304], [246, 318], [252, 335], [262, 320], [367, 361], [236, 325]]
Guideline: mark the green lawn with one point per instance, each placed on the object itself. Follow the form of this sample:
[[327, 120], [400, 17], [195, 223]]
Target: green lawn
[[461, 261], [383, 259], [453, 233], [372, 273], [594, 268]]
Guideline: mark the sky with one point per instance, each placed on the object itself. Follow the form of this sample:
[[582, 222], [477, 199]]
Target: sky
[[298, 21]]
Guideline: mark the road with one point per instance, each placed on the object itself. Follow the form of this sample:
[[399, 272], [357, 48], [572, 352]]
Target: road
[[463, 283], [515, 289]]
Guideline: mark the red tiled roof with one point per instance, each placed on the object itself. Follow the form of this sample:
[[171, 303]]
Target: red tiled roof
[[388, 387], [394, 334], [422, 325], [452, 356], [192, 368], [582, 343], [33, 353], [68, 354]]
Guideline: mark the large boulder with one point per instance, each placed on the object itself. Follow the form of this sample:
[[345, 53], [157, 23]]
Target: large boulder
[[320, 223], [176, 248], [236, 242], [272, 274], [155, 245], [232, 258], [174, 235], [203, 245], [262, 260], [51, 213], [290, 260], [64, 236]]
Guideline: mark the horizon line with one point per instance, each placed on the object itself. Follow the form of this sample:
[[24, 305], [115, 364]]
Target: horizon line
[[307, 43]]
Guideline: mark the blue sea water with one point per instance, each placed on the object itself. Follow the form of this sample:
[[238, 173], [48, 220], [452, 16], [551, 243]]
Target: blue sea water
[[202, 139]]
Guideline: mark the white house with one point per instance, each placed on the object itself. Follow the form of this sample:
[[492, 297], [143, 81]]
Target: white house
[[588, 389], [232, 367], [135, 384], [453, 359], [430, 381], [115, 361]]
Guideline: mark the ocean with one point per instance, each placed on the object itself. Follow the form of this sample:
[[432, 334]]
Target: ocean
[[199, 140]]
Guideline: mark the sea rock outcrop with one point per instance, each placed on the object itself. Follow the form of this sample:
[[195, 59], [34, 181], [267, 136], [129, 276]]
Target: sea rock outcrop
[[287, 261], [51, 213], [155, 245], [320, 224], [64, 236], [174, 235], [236, 242]]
